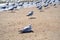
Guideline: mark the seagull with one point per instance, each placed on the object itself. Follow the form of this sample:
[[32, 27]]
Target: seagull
[[30, 13], [21, 4], [54, 0], [12, 7], [3, 7], [32, 2], [40, 7], [46, 5], [55, 4], [59, 2], [45, 1], [37, 2], [37, 5], [48, 1], [18, 2], [27, 29], [28, 2]]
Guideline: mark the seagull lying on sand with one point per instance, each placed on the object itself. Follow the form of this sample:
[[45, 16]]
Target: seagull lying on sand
[[27, 29], [30, 13], [12, 7], [4, 6], [46, 5], [40, 7]]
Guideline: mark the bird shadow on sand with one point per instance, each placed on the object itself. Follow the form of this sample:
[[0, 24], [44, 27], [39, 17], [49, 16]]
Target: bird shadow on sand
[[55, 6], [21, 32], [11, 11], [47, 7], [41, 10], [32, 18]]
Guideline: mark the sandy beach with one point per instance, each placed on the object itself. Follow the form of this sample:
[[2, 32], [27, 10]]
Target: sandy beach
[[46, 24]]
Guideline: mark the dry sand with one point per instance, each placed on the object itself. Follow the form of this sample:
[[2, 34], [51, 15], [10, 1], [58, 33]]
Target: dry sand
[[46, 25]]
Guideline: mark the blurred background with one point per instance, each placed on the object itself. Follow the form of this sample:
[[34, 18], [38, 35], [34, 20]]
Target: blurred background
[[3, 1]]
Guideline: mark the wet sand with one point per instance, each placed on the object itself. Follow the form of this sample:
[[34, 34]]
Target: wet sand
[[46, 24]]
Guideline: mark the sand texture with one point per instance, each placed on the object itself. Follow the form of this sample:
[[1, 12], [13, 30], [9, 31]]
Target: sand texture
[[46, 24]]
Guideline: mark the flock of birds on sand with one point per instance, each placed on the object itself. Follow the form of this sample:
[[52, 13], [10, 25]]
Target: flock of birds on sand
[[39, 5], [28, 28]]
